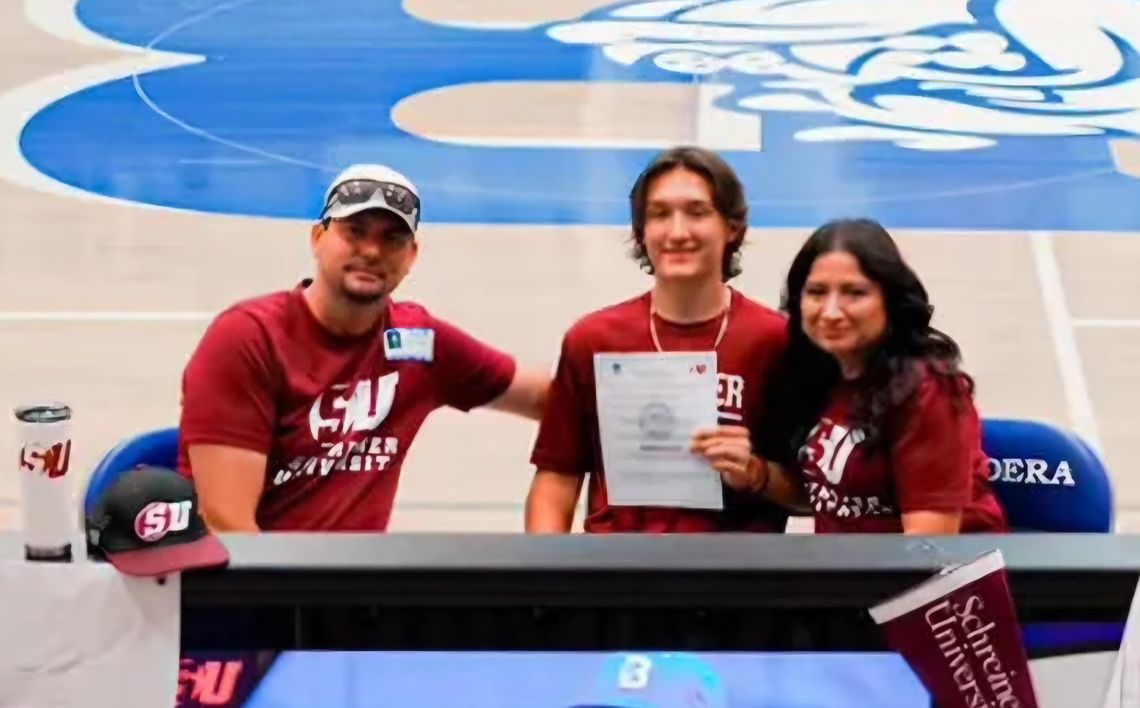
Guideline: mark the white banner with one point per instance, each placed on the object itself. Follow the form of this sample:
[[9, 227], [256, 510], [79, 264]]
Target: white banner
[[1124, 686], [81, 634]]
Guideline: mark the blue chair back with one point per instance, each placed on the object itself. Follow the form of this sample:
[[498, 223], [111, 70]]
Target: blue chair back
[[156, 447], [1047, 479]]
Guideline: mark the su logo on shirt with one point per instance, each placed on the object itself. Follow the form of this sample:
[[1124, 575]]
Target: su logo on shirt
[[365, 408], [829, 448], [357, 407]]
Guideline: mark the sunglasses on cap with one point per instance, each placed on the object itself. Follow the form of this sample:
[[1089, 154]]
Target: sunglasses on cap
[[355, 195]]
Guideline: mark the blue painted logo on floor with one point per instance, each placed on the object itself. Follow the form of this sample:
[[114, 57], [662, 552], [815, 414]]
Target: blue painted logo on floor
[[945, 113]]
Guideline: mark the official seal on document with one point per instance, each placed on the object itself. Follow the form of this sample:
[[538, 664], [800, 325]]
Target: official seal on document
[[656, 421]]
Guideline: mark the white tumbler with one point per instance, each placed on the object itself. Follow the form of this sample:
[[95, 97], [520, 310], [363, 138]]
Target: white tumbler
[[43, 432]]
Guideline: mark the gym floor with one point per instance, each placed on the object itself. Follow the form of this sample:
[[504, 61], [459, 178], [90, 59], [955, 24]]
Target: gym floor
[[160, 160]]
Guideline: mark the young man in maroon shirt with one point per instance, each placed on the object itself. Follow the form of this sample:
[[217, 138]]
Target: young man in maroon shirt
[[299, 406], [689, 215]]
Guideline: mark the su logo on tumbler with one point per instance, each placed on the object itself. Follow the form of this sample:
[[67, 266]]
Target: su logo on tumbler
[[51, 460], [160, 518]]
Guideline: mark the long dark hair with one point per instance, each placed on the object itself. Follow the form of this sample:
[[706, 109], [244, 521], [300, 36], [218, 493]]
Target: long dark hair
[[893, 368], [727, 196]]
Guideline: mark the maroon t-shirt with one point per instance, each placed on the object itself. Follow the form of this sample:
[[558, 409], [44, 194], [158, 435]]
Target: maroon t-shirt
[[334, 415], [929, 459], [568, 438]]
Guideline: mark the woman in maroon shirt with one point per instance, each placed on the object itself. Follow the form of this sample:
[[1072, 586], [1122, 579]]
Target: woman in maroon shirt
[[877, 430]]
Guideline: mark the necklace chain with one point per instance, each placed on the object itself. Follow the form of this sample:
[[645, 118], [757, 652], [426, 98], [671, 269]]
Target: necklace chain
[[720, 335]]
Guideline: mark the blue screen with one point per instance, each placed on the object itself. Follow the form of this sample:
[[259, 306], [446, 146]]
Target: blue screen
[[621, 679], [562, 680]]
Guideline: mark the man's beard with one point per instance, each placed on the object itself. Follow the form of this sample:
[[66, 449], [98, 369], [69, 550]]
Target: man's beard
[[363, 298]]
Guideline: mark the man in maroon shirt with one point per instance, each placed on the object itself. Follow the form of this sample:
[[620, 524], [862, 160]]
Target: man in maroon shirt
[[299, 406], [689, 216]]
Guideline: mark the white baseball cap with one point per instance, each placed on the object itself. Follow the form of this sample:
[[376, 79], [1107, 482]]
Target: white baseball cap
[[364, 186]]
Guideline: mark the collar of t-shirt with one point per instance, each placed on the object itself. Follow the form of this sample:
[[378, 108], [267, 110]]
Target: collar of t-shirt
[[322, 334], [694, 335]]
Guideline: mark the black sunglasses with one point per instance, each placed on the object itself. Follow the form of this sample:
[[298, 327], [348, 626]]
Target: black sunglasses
[[360, 191]]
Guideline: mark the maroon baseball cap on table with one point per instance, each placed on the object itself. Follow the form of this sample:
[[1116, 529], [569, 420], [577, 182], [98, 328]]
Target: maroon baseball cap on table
[[147, 524]]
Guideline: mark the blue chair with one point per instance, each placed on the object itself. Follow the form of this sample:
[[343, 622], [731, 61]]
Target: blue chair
[[1047, 479], [156, 447]]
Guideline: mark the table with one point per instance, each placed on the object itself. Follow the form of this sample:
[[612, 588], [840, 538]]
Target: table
[[708, 592], [740, 592]]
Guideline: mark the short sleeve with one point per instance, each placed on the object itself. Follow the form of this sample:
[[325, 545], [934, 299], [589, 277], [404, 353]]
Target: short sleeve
[[931, 454], [229, 386], [471, 373], [563, 443]]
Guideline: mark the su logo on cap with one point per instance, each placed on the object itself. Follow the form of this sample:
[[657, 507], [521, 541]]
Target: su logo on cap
[[160, 518]]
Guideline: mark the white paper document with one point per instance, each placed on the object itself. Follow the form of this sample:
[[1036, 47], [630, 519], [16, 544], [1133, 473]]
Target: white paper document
[[649, 406]]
